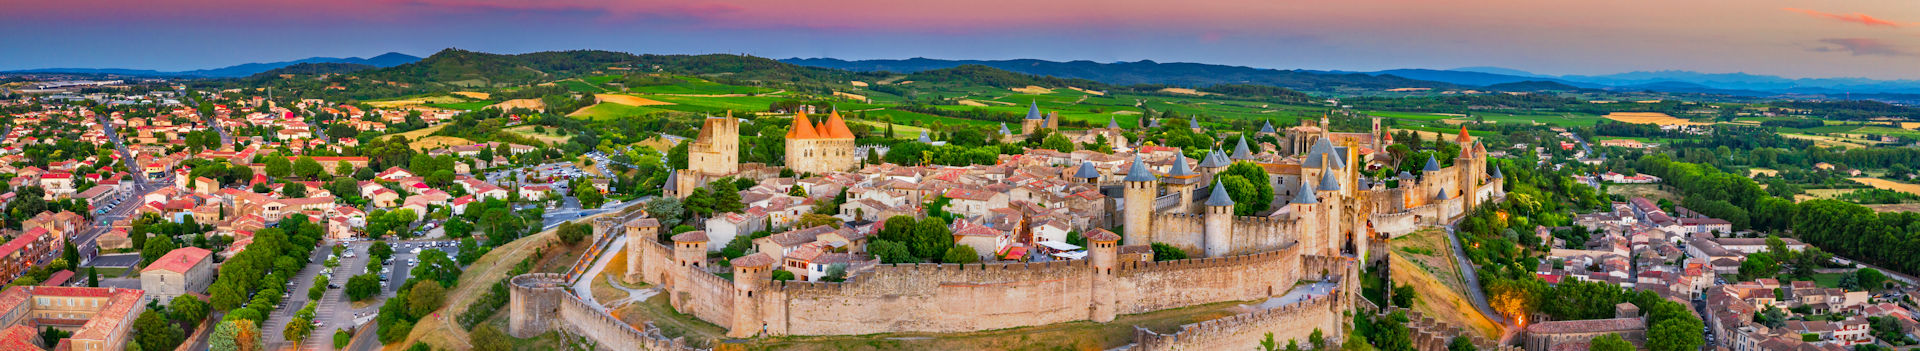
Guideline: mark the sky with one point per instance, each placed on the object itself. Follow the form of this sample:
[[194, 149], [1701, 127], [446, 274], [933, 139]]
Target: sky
[[1797, 39]]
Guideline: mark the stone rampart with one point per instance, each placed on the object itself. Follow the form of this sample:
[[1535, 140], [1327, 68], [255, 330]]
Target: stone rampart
[[540, 302], [708, 297], [1253, 234], [1186, 231], [1245, 331], [1152, 286], [932, 298]]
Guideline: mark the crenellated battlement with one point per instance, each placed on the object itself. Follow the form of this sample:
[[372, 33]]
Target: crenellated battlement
[[541, 301], [1193, 263]]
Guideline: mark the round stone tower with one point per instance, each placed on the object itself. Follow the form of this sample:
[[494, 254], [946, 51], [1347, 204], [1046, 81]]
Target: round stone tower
[[1142, 187], [533, 302], [1103, 250], [640, 232], [750, 272], [689, 254], [1219, 222]]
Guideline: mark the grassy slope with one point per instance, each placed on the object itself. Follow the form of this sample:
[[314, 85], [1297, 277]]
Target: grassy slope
[[1440, 285]]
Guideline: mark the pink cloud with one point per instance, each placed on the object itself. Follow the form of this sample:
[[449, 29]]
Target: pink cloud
[[1856, 17]]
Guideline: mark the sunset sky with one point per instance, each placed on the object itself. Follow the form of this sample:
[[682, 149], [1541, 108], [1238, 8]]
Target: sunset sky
[[1857, 38]]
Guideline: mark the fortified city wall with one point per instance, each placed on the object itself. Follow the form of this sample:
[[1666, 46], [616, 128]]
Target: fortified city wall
[[539, 302]]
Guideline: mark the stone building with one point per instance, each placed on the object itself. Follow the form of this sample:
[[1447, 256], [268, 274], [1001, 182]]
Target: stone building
[[179, 272], [100, 318], [1035, 121], [713, 155], [820, 148], [1627, 322]]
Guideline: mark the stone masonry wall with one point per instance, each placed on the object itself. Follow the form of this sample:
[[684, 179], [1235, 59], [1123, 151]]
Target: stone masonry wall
[[1182, 230], [1260, 234], [540, 303], [1152, 286], [1245, 331], [933, 298]]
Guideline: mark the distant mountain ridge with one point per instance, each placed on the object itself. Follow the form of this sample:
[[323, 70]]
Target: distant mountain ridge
[[241, 70], [1144, 72]]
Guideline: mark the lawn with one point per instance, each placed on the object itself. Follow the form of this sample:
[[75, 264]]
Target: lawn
[[1827, 280]]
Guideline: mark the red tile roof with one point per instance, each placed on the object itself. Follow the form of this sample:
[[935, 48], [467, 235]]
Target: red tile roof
[[179, 260]]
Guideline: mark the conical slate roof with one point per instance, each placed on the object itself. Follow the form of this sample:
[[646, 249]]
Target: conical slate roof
[[1267, 127], [1180, 168], [1112, 124], [1003, 129], [1433, 165], [1443, 193], [1319, 154], [1219, 197], [1496, 173], [1193, 123], [1328, 182], [1213, 160], [1086, 171], [1305, 196], [1153, 123], [1033, 110], [673, 181], [1139, 172], [1240, 151], [1405, 175], [924, 139]]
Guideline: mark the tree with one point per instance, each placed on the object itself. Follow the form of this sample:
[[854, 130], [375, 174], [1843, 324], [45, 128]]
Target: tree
[[589, 197], [811, 220], [1610, 342], [380, 251], [891, 252], [279, 167], [307, 168], [782, 274], [153, 332], [187, 308], [234, 334], [486, 337], [1461, 343], [364, 286], [667, 209], [342, 168], [156, 247], [71, 253], [93, 277], [1164, 252], [52, 336], [960, 254], [796, 190], [341, 338], [1676, 334], [1404, 296], [1251, 193], [294, 190], [1871, 279], [1057, 142], [424, 298], [573, 232]]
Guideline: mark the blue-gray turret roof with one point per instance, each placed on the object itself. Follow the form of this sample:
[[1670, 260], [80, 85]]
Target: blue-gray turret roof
[[1219, 197], [1140, 172], [1193, 123], [1433, 165], [1328, 182], [1240, 151], [1112, 124], [1213, 159], [1443, 193], [1003, 129], [1405, 175], [1496, 173], [1033, 110], [1319, 154], [1180, 167], [1305, 196], [924, 138], [1153, 123], [1267, 127], [1086, 171], [673, 181]]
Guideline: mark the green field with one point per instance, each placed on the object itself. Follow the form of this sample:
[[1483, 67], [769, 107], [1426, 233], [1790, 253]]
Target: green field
[[697, 86], [913, 118], [719, 103], [580, 86], [469, 106], [1408, 115]]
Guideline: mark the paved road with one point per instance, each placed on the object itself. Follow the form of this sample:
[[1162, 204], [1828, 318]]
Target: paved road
[[1473, 285], [297, 297], [129, 200], [212, 121]]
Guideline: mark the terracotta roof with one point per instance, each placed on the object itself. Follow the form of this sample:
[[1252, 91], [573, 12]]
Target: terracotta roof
[[835, 128], [688, 237], [1102, 235], [179, 260], [758, 259], [802, 128]]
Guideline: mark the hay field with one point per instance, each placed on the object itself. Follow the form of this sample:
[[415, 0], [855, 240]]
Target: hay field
[[1185, 91], [850, 95], [531, 104], [1756, 172], [549, 137], [419, 133], [1651, 118], [474, 95], [435, 142], [1824, 140], [1032, 89], [394, 103], [858, 83], [628, 100], [1089, 92], [1909, 188]]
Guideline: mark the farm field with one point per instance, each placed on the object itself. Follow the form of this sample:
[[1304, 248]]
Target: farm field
[[468, 106], [697, 86], [1909, 188], [607, 110], [1649, 191], [474, 95], [1825, 140], [1651, 118], [531, 104], [1756, 172], [549, 137], [435, 142], [628, 100]]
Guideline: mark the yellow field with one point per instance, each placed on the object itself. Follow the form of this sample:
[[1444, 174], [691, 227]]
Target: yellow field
[[1093, 92], [1824, 140], [549, 138], [422, 132], [858, 83], [629, 100], [1185, 91], [473, 95], [1032, 89], [970, 102], [1651, 118], [1756, 172], [435, 142], [1909, 188], [532, 104], [850, 95], [394, 103]]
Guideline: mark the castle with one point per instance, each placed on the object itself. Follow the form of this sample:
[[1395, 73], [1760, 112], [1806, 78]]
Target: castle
[[1035, 121], [827, 147]]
